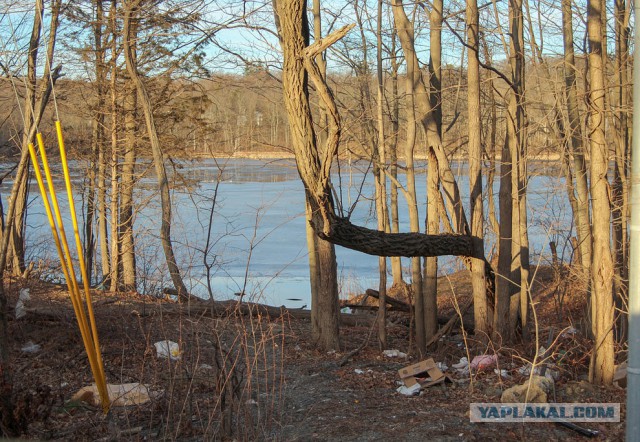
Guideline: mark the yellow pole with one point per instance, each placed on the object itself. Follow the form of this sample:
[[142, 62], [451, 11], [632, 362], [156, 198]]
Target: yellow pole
[[82, 319], [83, 268], [54, 229]]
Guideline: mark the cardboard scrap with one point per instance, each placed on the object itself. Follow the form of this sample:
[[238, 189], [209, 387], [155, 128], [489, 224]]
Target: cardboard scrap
[[620, 376], [120, 395], [426, 373]]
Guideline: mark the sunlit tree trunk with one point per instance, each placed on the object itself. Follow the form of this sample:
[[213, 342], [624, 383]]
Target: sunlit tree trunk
[[125, 224], [602, 270], [293, 29], [98, 138], [475, 155], [414, 221], [433, 181], [620, 187], [381, 185], [322, 255], [131, 11], [396, 262], [582, 216]]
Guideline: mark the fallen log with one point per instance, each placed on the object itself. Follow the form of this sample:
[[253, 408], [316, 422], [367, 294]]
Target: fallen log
[[393, 302], [222, 308]]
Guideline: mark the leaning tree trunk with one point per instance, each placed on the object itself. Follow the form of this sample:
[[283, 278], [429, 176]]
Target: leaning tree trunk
[[131, 11]]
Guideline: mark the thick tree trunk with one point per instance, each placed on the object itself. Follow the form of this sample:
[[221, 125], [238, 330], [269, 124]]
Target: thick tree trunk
[[315, 172]]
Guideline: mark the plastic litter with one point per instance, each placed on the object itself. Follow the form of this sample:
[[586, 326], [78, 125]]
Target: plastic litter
[[394, 354], [30, 347], [409, 391], [483, 362], [502, 373], [22, 299], [551, 374], [168, 349], [358, 371], [462, 367], [442, 366]]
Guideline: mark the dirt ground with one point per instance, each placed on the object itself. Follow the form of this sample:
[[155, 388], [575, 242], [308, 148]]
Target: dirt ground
[[242, 377]]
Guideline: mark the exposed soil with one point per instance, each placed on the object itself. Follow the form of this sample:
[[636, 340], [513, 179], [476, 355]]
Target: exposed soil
[[268, 381]]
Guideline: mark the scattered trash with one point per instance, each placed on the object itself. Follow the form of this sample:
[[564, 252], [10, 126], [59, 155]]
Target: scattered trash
[[358, 371], [409, 391], [30, 347], [168, 349], [569, 332], [530, 392], [331, 352], [205, 367], [251, 402], [22, 299], [394, 354], [483, 362], [425, 373], [502, 373], [549, 373], [620, 376], [442, 366], [462, 367], [120, 395]]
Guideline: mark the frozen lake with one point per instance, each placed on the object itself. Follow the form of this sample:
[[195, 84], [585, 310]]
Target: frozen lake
[[258, 230]]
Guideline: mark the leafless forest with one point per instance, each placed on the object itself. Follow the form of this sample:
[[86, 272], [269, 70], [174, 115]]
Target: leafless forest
[[499, 86]]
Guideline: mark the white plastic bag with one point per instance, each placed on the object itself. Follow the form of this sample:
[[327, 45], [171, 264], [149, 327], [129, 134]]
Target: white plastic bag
[[168, 349]]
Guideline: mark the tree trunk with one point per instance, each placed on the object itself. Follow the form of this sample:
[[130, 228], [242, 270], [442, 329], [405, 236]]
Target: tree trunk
[[131, 11], [433, 180], [127, 181], [602, 262], [293, 30], [622, 140], [582, 216], [396, 262], [381, 184], [475, 160]]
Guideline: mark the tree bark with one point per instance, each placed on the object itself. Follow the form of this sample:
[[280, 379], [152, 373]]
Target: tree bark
[[381, 184], [602, 261], [475, 162], [583, 219], [299, 58]]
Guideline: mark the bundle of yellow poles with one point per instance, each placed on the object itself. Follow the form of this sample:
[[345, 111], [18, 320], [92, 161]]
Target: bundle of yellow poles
[[86, 319]]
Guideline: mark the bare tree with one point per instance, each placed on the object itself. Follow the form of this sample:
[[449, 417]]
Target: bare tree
[[602, 363], [131, 10]]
